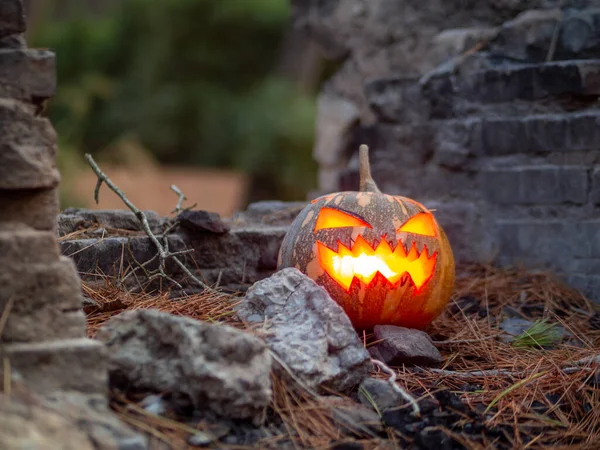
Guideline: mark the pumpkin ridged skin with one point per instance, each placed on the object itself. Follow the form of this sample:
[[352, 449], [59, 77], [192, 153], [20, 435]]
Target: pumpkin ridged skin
[[379, 302]]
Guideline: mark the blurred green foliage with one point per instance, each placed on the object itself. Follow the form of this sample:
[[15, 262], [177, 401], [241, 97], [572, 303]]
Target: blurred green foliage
[[194, 81]]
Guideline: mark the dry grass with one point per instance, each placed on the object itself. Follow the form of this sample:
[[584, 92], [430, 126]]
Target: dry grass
[[538, 397]]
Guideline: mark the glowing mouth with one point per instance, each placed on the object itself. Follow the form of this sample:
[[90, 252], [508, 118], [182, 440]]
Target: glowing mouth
[[363, 262]]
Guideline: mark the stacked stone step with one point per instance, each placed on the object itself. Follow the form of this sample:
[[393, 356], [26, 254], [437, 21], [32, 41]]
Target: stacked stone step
[[43, 330], [504, 144]]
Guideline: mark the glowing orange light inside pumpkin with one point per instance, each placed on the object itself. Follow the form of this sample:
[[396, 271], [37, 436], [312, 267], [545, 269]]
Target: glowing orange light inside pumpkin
[[421, 223], [334, 218], [363, 262]]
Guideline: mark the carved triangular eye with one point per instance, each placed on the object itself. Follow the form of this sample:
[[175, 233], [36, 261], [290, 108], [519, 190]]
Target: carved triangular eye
[[421, 223], [334, 218]]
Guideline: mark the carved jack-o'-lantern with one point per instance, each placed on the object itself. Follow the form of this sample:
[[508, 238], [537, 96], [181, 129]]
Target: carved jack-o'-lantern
[[383, 258]]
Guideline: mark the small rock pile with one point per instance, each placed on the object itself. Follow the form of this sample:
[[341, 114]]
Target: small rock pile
[[292, 331]]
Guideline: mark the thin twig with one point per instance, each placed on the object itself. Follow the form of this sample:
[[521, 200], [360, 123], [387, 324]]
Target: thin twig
[[163, 249], [182, 197], [392, 382]]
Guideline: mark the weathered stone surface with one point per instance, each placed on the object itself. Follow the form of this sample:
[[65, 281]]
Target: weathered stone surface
[[28, 424], [32, 71], [537, 185], [550, 243], [529, 36], [404, 346], [14, 41], [92, 415], [12, 17], [595, 192], [62, 365], [73, 219], [352, 417], [218, 367], [378, 394], [46, 300], [307, 330], [269, 212], [27, 148], [238, 258], [34, 208], [23, 245], [201, 221], [545, 133]]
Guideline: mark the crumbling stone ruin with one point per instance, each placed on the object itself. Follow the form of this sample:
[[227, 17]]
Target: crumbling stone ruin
[[43, 347], [487, 111]]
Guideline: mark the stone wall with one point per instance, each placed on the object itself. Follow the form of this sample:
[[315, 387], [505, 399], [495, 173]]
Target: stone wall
[[43, 347], [491, 117]]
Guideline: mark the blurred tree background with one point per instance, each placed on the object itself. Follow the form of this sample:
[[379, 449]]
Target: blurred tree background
[[191, 82]]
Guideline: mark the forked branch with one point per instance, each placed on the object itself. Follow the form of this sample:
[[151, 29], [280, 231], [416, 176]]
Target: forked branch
[[163, 254]]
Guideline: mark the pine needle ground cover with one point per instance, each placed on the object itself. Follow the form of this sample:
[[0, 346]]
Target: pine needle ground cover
[[538, 389]]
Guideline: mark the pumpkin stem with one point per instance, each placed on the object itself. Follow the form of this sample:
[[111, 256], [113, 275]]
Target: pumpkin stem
[[367, 184]]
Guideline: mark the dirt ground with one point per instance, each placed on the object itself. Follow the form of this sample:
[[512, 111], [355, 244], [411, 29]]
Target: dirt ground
[[219, 191]]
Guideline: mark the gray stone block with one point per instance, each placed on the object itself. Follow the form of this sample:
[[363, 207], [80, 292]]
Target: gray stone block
[[27, 148], [35, 208], [542, 133], [535, 185], [529, 36], [12, 17], [62, 365], [31, 71], [46, 301], [595, 192], [504, 137], [589, 285], [546, 243], [456, 141]]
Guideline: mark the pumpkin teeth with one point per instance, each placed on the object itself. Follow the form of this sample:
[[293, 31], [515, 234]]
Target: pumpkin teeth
[[362, 261]]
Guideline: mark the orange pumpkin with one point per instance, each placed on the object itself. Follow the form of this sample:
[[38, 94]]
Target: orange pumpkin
[[383, 258]]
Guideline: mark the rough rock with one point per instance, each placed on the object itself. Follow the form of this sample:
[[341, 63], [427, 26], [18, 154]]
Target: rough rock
[[201, 221], [35, 208], [27, 424], [353, 417], [218, 367], [399, 345], [378, 394], [99, 423], [27, 159], [307, 330], [46, 302], [513, 327], [73, 219], [31, 71], [59, 365], [237, 259], [12, 17], [270, 212]]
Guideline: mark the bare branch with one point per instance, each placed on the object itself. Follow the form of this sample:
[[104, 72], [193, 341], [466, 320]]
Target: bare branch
[[162, 248]]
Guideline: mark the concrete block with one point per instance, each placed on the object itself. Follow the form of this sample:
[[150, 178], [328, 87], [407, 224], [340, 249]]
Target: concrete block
[[536, 185], [34, 208], [61, 365]]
